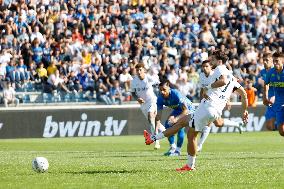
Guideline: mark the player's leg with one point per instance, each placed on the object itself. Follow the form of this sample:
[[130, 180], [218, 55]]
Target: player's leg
[[182, 122], [203, 136], [180, 138], [171, 139], [191, 150], [151, 120], [270, 116], [280, 120], [197, 124], [150, 112], [202, 115]]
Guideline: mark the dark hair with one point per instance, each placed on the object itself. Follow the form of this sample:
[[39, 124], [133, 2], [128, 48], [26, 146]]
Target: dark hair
[[139, 65], [267, 55], [220, 56], [206, 61], [164, 82], [278, 54]]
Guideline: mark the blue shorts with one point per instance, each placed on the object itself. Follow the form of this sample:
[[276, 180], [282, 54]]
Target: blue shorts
[[270, 112], [175, 113], [280, 115]]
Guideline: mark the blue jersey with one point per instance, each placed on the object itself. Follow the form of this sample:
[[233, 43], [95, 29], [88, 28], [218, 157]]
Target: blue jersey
[[175, 101], [263, 74], [276, 80]]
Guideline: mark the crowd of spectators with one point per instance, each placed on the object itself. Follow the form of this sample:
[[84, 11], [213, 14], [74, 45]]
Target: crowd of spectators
[[92, 47]]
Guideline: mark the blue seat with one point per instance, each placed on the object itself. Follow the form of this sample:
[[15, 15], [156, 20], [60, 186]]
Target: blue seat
[[26, 98], [46, 97]]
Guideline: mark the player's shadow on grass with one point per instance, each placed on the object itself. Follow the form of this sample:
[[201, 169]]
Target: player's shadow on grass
[[105, 172]]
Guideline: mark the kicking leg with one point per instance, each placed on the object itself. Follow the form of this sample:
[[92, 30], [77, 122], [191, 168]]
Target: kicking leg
[[204, 134]]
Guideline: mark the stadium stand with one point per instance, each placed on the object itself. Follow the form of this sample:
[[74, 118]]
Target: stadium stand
[[94, 44]]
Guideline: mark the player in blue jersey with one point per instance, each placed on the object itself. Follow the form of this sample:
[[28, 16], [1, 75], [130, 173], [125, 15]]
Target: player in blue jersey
[[181, 106], [275, 78], [270, 113]]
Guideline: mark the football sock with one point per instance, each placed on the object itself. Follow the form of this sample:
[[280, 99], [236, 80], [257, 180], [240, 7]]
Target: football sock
[[178, 149], [160, 136], [180, 137], [191, 161], [152, 126], [204, 134], [174, 145]]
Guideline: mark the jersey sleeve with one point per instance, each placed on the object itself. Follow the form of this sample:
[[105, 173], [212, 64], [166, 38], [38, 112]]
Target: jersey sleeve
[[160, 104], [181, 100]]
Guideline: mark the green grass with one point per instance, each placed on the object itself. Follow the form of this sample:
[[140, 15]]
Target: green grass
[[250, 160]]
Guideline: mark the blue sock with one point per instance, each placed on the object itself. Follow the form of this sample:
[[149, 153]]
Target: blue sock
[[171, 139], [180, 137]]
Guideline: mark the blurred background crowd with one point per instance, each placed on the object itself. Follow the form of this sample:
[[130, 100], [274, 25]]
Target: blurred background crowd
[[88, 49]]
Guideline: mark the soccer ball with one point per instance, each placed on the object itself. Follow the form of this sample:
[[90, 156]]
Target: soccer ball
[[40, 164]]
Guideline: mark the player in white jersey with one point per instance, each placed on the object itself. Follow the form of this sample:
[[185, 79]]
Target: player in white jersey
[[207, 78], [142, 89], [209, 110]]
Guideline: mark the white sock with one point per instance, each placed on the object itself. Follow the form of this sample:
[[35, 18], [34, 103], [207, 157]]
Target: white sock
[[152, 126], [230, 123], [157, 142], [160, 136], [178, 149], [204, 135], [191, 161], [174, 145], [161, 128]]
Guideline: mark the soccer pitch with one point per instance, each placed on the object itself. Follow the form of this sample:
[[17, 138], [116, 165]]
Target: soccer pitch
[[250, 160]]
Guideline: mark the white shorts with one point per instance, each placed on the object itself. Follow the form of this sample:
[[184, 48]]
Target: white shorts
[[147, 107], [204, 114]]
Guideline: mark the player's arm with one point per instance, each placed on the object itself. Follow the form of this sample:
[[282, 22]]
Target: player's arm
[[172, 120], [158, 117], [140, 100], [265, 99], [220, 82], [202, 93], [229, 104], [244, 99], [160, 107]]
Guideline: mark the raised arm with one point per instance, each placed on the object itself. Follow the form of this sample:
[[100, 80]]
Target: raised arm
[[244, 99]]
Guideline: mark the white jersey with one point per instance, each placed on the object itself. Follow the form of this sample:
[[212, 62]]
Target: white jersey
[[219, 96], [144, 88], [204, 80]]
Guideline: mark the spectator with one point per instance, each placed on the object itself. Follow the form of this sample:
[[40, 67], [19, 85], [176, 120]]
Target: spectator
[[51, 69], [116, 93], [103, 93], [9, 95], [99, 35], [41, 72], [251, 93], [55, 83], [125, 79]]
